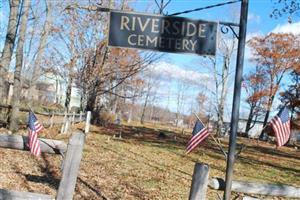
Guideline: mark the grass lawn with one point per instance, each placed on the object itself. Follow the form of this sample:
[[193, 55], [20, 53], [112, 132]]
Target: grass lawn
[[142, 165]]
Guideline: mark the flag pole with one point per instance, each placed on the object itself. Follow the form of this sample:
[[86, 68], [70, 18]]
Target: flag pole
[[215, 140], [30, 109], [199, 119]]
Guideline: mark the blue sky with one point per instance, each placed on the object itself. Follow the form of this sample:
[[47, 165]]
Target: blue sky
[[259, 12], [259, 23], [187, 66]]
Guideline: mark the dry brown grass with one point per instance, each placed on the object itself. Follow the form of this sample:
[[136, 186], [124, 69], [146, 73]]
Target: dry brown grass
[[143, 166]]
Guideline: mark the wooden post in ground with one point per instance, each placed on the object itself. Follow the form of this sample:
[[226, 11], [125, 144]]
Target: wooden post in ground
[[64, 123], [199, 182], [71, 166], [87, 122], [67, 125]]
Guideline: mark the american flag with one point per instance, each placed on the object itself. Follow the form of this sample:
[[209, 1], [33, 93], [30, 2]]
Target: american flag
[[198, 135], [34, 128], [281, 126]]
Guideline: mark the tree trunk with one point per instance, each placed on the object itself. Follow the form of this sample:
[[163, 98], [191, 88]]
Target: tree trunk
[[56, 90], [151, 113], [223, 95], [131, 111], [144, 109], [249, 120], [176, 119], [81, 102], [13, 125], [92, 106], [220, 121], [68, 93], [261, 136], [8, 45], [130, 115], [297, 95], [218, 131], [115, 106], [36, 66]]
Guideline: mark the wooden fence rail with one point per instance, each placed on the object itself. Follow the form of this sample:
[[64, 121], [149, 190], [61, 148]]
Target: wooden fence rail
[[20, 142], [68, 120], [17, 195], [40, 113], [200, 182], [257, 188], [70, 169]]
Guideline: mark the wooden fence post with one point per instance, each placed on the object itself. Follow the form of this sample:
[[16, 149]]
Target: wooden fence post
[[64, 123], [67, 125], [51, 120], [87, 122], [199, 182], [71, 166]]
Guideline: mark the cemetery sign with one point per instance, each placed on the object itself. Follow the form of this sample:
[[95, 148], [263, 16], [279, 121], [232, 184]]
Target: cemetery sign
[[162, 33]]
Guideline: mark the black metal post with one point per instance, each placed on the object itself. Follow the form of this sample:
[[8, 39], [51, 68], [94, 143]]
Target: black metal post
[[236, 98]]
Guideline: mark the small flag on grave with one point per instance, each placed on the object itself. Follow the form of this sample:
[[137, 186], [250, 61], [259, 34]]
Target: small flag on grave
[[199, 133]]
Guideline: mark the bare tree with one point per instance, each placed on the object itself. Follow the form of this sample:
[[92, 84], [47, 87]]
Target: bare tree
[[9, 44], [136, 88], [201, 100], [226, 47], [182, 87], [256, 90], [36, 72], [13, 125], [105, 70], [78, 34], [152, 80]]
